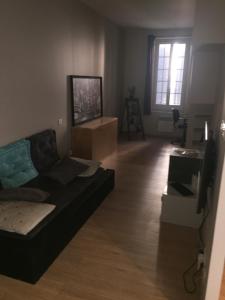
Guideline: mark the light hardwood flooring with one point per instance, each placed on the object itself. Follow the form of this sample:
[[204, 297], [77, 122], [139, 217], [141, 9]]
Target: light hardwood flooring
[[222, 293], [122, 252]]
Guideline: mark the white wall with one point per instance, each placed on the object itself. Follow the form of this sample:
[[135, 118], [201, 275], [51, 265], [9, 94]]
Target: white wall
[[112, 70], [214, 229], [214, 245], [135, 67], [209, 22], [205, 83], [209, 30], [205, 74], [42, 42], [208, 36]]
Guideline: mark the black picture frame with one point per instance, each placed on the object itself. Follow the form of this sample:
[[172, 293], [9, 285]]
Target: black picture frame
[[86, 98]]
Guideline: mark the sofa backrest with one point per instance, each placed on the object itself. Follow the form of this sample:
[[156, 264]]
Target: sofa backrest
[[44, 150]]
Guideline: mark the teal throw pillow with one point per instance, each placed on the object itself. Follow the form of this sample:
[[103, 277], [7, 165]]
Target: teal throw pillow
[[16, 166]]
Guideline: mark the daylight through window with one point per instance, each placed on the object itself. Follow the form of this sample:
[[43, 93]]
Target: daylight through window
[[170, 66]]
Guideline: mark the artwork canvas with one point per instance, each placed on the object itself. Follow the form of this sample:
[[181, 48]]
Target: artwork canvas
[[86, 98]]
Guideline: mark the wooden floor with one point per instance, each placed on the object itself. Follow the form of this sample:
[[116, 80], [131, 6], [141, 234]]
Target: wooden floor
[[122, 252], [222, 293]]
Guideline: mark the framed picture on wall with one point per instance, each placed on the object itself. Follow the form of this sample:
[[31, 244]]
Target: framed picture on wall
[[86, 98]]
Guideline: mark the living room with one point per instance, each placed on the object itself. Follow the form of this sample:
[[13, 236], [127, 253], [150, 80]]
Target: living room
[[42, 43]]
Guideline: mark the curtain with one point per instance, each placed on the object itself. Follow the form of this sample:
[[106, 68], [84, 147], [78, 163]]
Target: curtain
[[148, 82]]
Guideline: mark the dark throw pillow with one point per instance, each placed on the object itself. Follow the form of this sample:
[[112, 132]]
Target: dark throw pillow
[[66, 170], [23, 194], [44, 150]]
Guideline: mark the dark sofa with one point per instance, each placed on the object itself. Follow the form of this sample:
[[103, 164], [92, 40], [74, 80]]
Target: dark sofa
[[28, 257]]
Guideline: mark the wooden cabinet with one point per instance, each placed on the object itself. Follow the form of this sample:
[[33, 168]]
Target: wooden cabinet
[[95, 139]]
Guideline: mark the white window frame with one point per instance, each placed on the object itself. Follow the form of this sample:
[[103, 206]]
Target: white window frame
[[169, 40]]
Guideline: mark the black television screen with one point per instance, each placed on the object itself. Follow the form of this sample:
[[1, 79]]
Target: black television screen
[[207, 171]]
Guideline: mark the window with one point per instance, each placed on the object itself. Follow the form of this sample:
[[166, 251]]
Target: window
[[170, 61]]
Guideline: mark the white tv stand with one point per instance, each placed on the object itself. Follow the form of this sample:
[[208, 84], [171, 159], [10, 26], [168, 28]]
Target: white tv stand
[[176, 208]]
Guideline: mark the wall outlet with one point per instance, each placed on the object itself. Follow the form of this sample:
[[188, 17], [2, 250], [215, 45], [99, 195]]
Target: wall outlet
[[60, 122]]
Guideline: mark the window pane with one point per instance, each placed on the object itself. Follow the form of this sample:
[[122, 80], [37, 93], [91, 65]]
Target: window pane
[[167, 63], [164, 49], [180, 48], [176, 73], [172, 99], [164, 63], [165, 85], [175, 99], [161, 63], [160, 75], [177, 88], [170, 72], [165, 75], [164, 96], [158, 98], [161, 98], [180, 63], [159, 87], [179, 75], [162, 86]]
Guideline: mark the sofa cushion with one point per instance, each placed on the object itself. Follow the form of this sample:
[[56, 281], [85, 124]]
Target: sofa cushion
[[66, 170], [21, 216], [44, 152], [23, 194], [16, 167], [93, 166], [60, 194]]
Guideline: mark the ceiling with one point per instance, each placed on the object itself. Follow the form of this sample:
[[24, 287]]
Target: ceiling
[[158, 14]]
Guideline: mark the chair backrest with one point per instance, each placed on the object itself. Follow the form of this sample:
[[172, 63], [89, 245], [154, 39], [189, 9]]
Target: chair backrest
[[176, 115]]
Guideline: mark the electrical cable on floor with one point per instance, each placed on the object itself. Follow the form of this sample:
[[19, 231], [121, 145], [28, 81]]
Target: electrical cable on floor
[[200, 230], [195, 263], [187, 289], [193, 278]]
